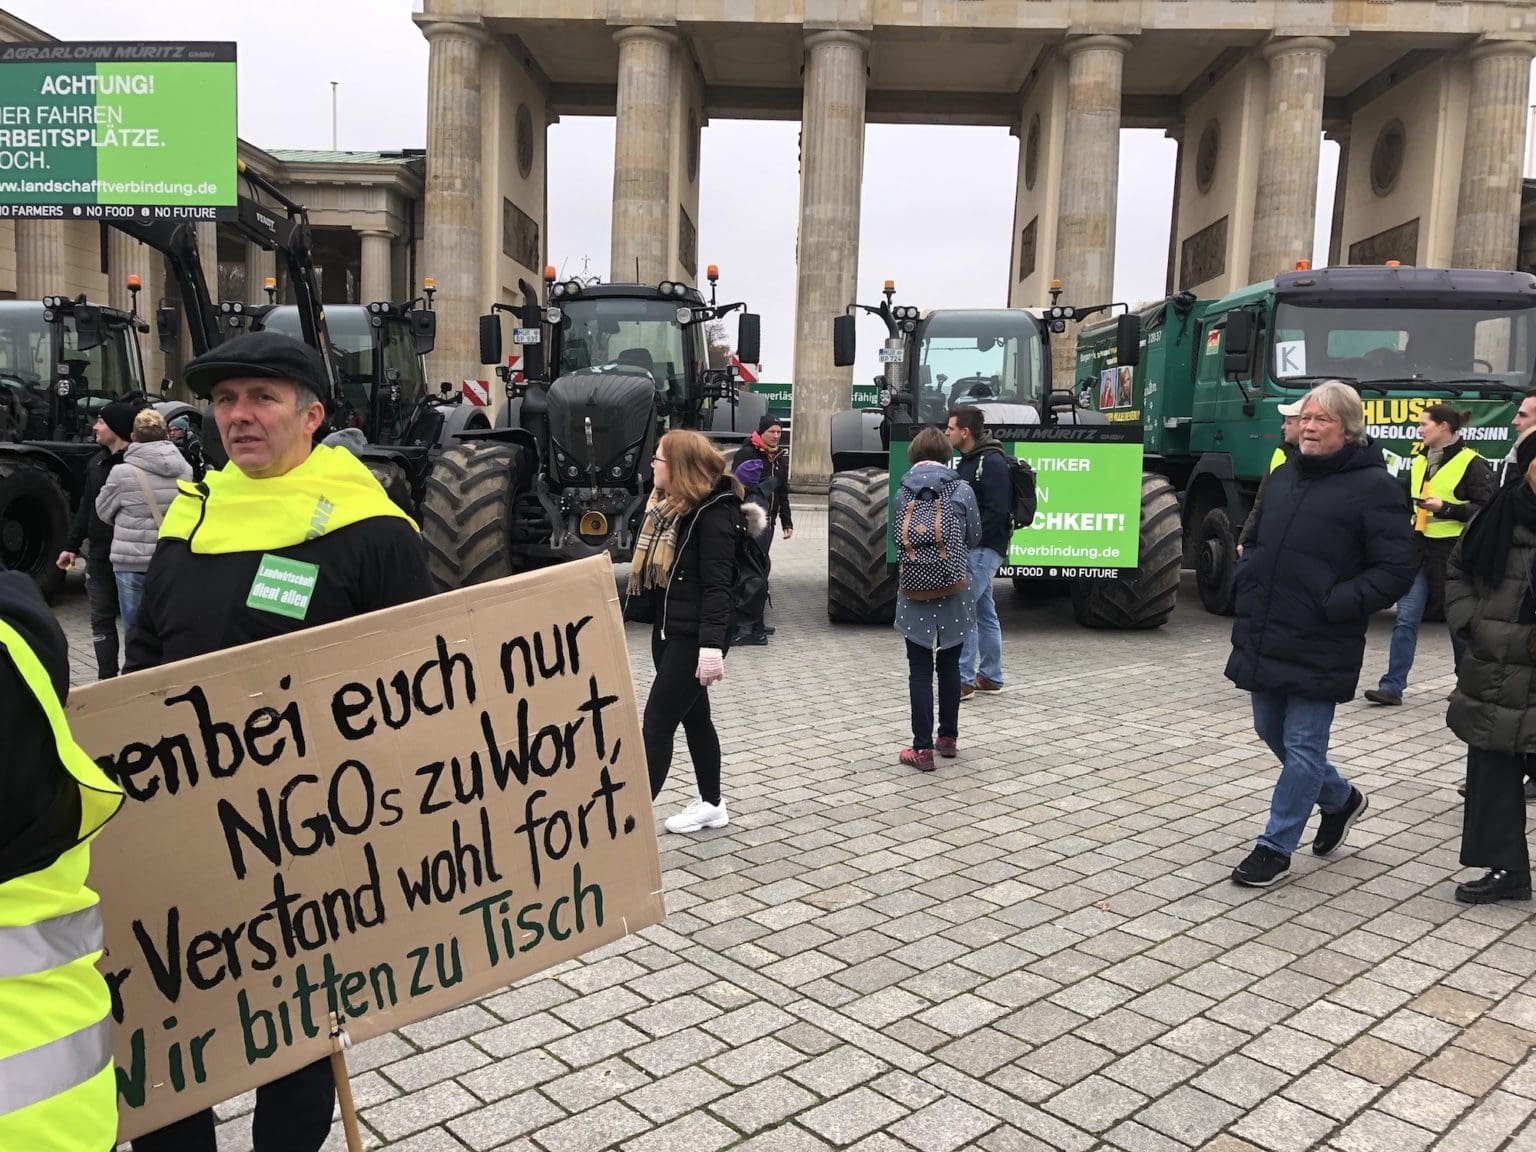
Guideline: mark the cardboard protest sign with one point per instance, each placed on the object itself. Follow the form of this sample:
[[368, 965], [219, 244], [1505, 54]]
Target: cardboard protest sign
[[381, 818]]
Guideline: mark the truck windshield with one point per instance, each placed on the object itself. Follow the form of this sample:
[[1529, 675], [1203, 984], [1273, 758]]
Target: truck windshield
[[1405, 346], [638, 334], [990, 355]]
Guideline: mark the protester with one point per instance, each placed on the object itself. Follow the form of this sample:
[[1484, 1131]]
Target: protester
[[682, 580], [281, 505], [1290, 432], [134, 501], [1490, 599], [190, 446], [1332, 544], [113, 429], [1449, 484], [771, 491], [1525, 419], [981, 656], [936, 523], [58, 1090]]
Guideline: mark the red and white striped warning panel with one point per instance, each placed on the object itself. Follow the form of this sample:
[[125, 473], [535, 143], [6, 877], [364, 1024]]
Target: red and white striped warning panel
[[746, 373], [477, 392], [515, 365]]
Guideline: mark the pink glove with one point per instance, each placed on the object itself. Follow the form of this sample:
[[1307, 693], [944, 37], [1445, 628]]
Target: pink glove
[[711, 666]]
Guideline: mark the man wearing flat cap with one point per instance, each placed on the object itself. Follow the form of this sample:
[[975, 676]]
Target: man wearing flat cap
[[282, 514]]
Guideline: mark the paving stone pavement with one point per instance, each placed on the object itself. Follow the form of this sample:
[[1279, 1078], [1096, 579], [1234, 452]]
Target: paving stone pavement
[[1037, 946]]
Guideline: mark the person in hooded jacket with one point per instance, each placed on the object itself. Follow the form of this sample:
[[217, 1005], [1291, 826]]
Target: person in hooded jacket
[[113, 431], [770, 490], [1490, 601], [682, 580], [981, 656], [1332, 544], [134, 501]]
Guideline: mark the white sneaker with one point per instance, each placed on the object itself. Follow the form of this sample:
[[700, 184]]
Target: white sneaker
[[699, 815]]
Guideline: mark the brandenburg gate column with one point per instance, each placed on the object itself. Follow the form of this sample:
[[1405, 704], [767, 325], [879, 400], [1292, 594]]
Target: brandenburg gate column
[[831, 176], [1488, 206], [1285, 207], [642, 156]]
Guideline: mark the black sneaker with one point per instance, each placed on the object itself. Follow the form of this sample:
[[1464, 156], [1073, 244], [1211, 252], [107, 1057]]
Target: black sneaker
[[1495, 886], [1380, 696], [1334, 826], [1262, 868], [751, 638]]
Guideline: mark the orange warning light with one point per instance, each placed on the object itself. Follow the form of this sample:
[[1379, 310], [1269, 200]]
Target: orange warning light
[[712, 272], [549, 272], [1303, 265], [1394, 263], [134, 283]]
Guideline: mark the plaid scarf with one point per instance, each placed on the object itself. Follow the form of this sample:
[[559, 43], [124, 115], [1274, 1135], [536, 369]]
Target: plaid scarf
[[656, 546]]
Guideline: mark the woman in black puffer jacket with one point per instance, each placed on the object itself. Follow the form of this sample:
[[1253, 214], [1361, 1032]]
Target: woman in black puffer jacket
[[683, 580]]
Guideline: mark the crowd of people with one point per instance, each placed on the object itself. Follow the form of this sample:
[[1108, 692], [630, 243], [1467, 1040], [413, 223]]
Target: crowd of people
[[1334, 539]]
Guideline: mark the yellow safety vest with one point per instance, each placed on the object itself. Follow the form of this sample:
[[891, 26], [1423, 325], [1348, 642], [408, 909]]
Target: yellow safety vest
[[58, 1092], [1442, 484], [1277, 459]]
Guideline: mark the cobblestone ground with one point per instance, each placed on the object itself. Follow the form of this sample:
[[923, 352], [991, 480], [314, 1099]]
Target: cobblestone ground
[[1035, 947]]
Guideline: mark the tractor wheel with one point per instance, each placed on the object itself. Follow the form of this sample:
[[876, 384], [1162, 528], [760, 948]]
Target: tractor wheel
[[1216, 562], [396, 484], [860, 586], [34, 522], [466, 511], [1145, 598]]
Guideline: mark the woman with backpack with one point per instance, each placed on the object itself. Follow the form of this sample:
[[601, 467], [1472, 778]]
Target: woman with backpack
[[937, 523], [682, 580]]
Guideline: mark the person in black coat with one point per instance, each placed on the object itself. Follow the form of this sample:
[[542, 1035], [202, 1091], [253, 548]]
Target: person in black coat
[[682, 580], [1333, 543], [984, 466], [769, 489]]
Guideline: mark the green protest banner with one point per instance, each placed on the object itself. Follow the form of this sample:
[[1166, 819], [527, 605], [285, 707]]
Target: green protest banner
[[781, 397], [1088, 484], [103, 131]]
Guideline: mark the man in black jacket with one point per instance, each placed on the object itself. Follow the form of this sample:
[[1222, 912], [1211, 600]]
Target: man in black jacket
[[1332, 544], [771, 494], [283, 515], [983, 465], [113, 430]]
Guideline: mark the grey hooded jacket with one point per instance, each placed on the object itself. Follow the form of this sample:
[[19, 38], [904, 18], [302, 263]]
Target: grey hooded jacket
[[121, 501]]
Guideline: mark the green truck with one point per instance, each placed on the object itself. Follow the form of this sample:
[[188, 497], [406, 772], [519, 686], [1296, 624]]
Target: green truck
[[1212, 373]]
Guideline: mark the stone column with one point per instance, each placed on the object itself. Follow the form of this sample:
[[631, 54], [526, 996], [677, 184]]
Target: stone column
[[1176, 134], [831, 176], [1488, 206], [642, 169], [1090, 175], [378, 269], [451, 238], [1285, 207], [40, 267], [1340, 136], [259, 264]]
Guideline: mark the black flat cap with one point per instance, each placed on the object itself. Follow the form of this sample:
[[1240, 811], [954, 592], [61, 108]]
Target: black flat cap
[[269, 354]]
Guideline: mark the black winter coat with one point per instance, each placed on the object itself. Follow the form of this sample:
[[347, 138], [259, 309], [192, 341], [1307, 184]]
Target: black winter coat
[[699, 600], [772, 491], [1332, 544], [87, 525], [994, 492]]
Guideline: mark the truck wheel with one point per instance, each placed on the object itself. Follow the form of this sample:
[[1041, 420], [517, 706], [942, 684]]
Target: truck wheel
[[1145, 598], [860, 586], [1216, 562], [34, 521], [465, 513]]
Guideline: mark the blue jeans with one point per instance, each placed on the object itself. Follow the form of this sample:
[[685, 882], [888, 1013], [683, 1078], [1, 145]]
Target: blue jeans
[[920, 669], [1296, 731], [986, 634], [130, 590], [1405, 636]]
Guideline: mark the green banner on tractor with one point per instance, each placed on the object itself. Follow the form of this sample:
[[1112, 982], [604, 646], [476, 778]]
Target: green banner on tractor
[[781, 397], [1088, 484], [118, 131]]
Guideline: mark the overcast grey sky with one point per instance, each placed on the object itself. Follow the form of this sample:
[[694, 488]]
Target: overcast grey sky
[[944, 239]]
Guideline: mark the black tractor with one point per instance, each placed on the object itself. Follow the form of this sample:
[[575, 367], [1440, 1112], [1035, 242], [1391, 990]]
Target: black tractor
[[602, 370]]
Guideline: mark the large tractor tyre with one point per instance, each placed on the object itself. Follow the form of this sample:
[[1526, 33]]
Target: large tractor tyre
[[1146, 597], [396, 484], [1216, 562], [466, 512], [860, 586], [34, 523]]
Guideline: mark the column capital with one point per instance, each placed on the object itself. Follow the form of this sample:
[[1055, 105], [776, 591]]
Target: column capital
[[439, 28], [1286, 45], [847, 36], [1483, 49], [645, 32], [384, 232], [1095, 42]]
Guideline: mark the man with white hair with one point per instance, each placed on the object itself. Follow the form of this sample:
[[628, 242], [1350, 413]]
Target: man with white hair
[[1331, 544]]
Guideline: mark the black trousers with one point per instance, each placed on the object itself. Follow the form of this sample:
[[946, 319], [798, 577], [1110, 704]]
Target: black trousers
[[293, 1114], [1493, 820], [101, 589], [676, 698], [920, 666]]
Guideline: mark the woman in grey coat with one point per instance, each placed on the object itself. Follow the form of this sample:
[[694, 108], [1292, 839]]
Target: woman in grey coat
[[1490, 600], [941, 623], [134, 501]]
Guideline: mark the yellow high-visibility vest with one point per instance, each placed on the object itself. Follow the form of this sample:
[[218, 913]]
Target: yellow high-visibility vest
[[1442, 484], [1277, 459], [58, 1092]]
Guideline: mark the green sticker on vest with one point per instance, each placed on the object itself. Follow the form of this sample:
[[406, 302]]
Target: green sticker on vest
[[283, 586]]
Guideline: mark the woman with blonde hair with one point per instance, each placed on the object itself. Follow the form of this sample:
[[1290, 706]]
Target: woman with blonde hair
[[682, 580]]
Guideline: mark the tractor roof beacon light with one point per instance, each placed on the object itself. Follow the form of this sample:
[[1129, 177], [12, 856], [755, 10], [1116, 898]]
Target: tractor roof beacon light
[[1394, 263], [1303, 266], [429, 289], [889, 290], [269, 285], [135, 286], [712, 273], [1055, 291]]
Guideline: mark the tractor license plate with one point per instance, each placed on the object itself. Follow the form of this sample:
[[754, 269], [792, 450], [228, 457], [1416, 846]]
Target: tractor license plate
[[526, 336], [892, 355]]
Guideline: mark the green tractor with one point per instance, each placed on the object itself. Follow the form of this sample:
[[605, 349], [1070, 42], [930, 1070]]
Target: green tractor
[[1105, 527], [602, 371]]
